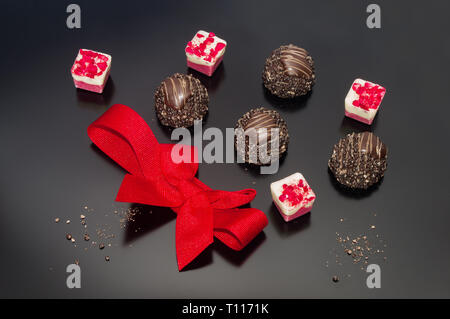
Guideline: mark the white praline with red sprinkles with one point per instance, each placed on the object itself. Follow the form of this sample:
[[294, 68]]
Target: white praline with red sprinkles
[[364, 99], [205, 48], [91, 67], [292, 193]]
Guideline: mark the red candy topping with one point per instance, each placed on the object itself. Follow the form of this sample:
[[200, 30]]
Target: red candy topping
[[91, 64], [295, 194], [204, 49], [370, 95]]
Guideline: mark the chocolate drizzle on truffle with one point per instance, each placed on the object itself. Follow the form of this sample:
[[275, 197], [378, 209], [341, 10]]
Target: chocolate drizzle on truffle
[[180, 100], [359, 160], [177, 91], [268, 129], [263, 123], [295, 62], [261, 120], [372, 145], [289, 72]]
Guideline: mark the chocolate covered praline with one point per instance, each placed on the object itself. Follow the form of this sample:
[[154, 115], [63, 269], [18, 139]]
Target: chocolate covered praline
[[180, 100], [261, 136], [289, 72], [358, 160]]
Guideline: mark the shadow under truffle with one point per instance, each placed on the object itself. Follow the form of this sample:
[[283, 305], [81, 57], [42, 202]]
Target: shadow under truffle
[[293, 104], [351, 192]]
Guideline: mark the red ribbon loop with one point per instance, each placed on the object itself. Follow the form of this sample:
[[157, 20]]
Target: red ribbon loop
[[154, 179]]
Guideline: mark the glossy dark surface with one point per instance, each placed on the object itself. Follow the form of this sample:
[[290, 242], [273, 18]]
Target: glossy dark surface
[[50, 169]]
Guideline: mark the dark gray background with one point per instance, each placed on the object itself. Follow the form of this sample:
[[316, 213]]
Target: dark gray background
[[50, 169]]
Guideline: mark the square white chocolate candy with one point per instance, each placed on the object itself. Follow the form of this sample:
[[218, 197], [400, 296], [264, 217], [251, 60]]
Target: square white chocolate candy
[[363, 100], [292, 196], [90, 70], [205, 52]]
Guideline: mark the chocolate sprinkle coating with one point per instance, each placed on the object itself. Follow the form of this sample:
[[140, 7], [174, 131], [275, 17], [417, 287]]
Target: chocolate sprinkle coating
[[359, 160], [289, 72], [257, 119], [180, 100]]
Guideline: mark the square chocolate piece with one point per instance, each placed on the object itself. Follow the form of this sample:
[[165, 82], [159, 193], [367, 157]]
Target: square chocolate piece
[[90, 70], [292, 196], [205, 52], [363, 100]]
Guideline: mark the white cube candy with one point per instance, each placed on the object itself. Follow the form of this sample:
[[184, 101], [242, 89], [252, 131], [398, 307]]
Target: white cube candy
[[363, 100], [293, 196]]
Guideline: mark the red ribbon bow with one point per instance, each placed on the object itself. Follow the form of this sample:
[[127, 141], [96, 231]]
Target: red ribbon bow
[[154, 179]]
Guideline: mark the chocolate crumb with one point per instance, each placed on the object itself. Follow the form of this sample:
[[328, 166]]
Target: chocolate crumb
[[335, 278], [107, 258], [68, 236]]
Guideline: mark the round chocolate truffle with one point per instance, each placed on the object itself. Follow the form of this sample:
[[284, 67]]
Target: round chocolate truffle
[[358, 160], [261, 135], [180, 100], [289, 72]]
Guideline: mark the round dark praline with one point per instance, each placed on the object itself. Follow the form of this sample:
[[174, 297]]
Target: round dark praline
[[359, 160], [180, 100], [259, 119], [289, 72]]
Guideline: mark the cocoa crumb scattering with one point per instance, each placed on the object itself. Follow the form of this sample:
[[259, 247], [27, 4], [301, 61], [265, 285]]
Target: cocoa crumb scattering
[[103, 235], [362, 249]]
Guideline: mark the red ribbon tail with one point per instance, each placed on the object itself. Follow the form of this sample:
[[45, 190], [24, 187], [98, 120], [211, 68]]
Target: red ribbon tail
[[238, 227], [194, 229]]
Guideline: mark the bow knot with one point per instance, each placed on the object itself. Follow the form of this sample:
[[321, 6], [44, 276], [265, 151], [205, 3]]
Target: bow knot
[[155, 179]]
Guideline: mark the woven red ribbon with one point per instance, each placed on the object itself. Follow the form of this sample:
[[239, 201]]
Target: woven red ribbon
[[154, 179]]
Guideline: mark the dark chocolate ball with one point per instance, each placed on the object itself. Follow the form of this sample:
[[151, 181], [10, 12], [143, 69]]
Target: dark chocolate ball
[[358, 160], [261, 135], [289, 72], [180, 100]]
